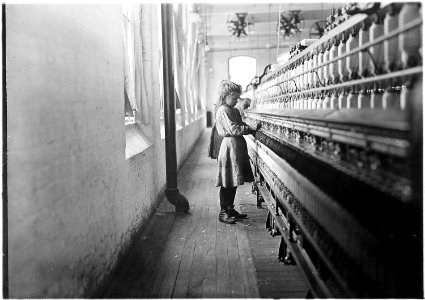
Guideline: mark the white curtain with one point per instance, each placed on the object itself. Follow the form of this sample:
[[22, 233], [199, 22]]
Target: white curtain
[[137, 58], [128, 45], [144, 63]]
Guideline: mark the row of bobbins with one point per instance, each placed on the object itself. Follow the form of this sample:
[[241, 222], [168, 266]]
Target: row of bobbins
[[401, 51]]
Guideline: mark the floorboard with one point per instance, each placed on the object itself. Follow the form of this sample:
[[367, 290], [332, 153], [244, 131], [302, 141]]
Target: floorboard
[[209, 286], [197, 270]]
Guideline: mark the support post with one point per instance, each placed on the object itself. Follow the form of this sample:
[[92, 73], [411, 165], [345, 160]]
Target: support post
[[171, 191]]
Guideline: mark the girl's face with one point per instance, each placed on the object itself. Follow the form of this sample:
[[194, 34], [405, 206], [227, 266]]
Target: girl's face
[[232, 99]]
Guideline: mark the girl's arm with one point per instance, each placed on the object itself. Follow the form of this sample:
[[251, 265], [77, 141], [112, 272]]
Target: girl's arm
[[230, 126]]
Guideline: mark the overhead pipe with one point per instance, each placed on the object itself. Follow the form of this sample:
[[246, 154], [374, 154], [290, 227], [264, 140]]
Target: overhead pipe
[[172, 192]]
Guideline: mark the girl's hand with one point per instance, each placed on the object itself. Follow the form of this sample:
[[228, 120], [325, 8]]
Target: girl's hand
[[255, 127]]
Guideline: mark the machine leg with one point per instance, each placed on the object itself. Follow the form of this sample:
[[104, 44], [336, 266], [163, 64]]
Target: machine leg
[[255, 190], [259, 200], [282, 250], [309, 295], [271, 226], [285, 255]]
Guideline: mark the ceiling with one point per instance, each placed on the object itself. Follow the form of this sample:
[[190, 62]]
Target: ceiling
[[265, 16]]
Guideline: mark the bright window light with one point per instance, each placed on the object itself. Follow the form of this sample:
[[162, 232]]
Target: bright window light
[[242, 69]]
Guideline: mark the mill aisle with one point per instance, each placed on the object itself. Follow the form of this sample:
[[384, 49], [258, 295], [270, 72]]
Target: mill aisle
[[193, 255]]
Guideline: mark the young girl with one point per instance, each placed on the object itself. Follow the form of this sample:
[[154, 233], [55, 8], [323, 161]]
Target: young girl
[[233, 161]]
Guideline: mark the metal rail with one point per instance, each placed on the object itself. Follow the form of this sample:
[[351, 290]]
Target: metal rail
[[402, 73]]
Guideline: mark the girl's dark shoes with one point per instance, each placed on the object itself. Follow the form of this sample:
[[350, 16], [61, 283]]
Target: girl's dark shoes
[[225, 218], [232, 212]]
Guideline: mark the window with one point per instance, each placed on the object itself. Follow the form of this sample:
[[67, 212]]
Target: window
[[136, 112], [242, 69], [130, 106]]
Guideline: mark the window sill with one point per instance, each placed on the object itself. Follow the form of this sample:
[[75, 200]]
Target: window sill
[[135, 141]]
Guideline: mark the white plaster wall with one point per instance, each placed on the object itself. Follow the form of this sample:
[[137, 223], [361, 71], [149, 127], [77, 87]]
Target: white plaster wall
[[74, 200]]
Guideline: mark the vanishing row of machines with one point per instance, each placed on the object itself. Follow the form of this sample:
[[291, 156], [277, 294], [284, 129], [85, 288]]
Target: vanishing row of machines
[[338, 159]]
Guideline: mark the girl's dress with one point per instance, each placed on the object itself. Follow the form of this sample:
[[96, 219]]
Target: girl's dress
[[233, 161], [215, 143]]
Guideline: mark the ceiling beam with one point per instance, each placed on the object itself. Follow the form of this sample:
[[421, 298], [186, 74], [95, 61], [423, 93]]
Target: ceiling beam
[[224, 9], [273, 46]]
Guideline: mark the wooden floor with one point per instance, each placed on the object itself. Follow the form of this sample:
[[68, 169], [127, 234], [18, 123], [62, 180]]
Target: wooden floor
[[193, 255]]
